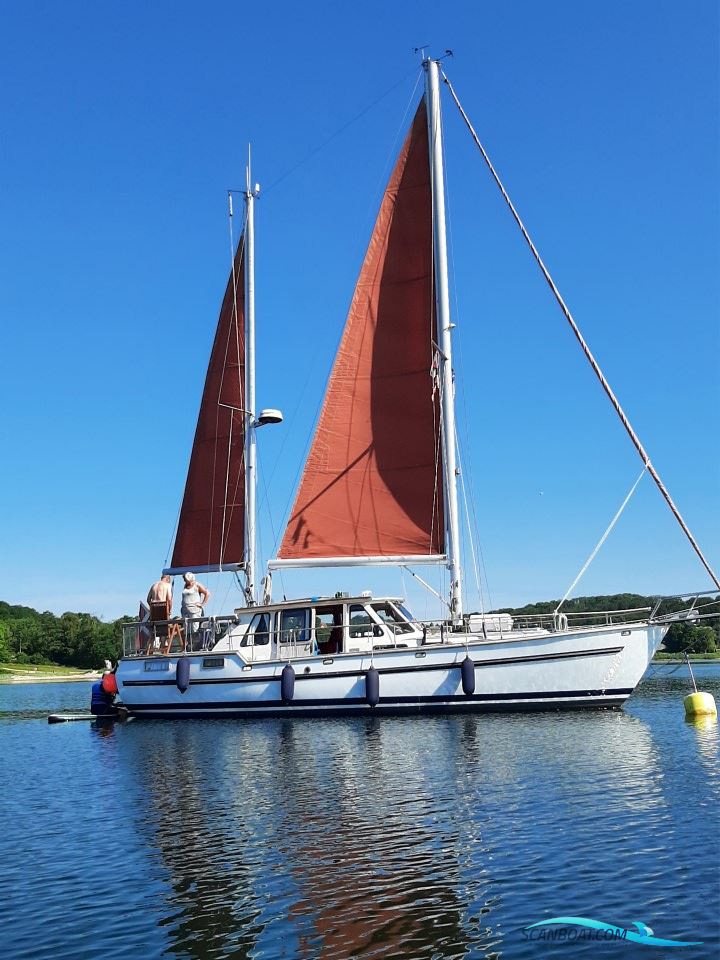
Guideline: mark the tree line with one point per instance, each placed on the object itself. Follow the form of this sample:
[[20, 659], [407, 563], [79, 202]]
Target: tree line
[[71, 640]]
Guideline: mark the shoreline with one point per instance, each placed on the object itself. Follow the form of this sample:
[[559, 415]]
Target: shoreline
[[90, 675]]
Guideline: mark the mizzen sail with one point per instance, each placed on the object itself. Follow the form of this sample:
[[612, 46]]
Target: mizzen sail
[[372, 484], [211, 530]]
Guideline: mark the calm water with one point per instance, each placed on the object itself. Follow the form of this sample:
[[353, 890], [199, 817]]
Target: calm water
[[439, 837]]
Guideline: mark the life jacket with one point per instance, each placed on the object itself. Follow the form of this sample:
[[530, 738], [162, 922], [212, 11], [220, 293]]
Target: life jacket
[[100, 700]]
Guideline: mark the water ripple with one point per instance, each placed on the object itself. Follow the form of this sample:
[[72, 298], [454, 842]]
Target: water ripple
[[424, 838]]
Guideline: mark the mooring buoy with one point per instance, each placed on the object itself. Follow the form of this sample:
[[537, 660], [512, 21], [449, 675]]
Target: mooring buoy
[[698, 704]]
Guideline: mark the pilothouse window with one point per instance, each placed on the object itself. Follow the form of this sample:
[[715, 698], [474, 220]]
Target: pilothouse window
[[405, 612], [361, 623], [294, 626], [391, 618], [258, 633]]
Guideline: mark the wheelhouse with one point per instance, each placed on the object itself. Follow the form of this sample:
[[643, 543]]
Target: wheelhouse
[[315, 626], [323, 626]]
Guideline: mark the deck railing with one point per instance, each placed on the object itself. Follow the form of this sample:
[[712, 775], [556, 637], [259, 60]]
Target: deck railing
[[177, 635], [199, 634]]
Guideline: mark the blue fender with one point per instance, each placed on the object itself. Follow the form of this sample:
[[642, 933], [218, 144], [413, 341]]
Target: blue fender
[[372, 687], [467, 672], [287, 683], [182, 674]]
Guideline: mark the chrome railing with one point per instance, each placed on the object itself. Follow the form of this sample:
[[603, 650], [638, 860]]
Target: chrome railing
[[564, 621], [678, 607]]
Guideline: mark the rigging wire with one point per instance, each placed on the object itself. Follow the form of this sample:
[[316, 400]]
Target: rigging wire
[[265, 489], [172, 535], [474, 529], [221, 606], [333, 136], [583, 344], [377, 193], [470, 536], [601, 541]]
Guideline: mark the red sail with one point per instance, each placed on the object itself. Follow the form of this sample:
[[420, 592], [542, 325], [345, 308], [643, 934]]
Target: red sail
[[372, 485], [211, 528]]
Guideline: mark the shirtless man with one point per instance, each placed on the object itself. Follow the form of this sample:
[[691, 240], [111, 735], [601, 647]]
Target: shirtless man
[[161, 592]]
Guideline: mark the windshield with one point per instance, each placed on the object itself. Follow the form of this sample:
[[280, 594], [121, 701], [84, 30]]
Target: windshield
[[391, 618]]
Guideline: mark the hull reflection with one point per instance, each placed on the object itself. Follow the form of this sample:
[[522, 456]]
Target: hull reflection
[[385, 837]]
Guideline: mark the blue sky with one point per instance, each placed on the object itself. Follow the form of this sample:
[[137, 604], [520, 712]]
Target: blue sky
[[123, 126]]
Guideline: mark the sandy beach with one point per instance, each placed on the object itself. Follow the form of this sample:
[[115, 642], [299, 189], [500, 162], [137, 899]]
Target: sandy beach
[[31, 676]]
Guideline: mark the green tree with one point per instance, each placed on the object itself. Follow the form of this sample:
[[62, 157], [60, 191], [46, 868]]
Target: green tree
[[5, 650], [684, 636]]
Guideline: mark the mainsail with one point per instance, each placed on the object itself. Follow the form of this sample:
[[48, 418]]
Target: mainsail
[[211, 532], [372, 484]]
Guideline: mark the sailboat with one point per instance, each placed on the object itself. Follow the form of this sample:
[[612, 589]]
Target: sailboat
[[379, 487]]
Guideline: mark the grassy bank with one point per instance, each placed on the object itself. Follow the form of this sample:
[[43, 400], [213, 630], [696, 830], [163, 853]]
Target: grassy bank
[[680, 657], [34, 672]]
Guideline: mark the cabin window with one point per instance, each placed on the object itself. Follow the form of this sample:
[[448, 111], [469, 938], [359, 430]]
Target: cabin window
[[361, 623], [258, 632], [329, 629], [294, 626], [391, 618]]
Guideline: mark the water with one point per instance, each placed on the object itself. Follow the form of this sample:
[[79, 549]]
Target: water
[[389, 837]]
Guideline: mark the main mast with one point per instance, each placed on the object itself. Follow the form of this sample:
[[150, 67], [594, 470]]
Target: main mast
[[249, 400], [444, 327]]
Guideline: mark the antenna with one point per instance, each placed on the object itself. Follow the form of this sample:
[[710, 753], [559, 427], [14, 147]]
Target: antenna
[[421, 50], [423, 56]]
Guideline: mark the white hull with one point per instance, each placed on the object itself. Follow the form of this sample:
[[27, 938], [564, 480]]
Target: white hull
[[592, 667]]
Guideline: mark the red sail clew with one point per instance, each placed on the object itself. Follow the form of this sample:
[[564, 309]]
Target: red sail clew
[[372, 485], [211, 526]]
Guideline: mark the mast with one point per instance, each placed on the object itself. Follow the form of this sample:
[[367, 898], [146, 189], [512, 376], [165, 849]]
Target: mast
[[444, 327], [249, 400]]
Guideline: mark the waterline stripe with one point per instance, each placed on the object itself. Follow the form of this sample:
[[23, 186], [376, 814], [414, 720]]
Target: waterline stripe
[[575, 696]]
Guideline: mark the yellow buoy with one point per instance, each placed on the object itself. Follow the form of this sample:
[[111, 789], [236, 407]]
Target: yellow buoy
[[700, 705]]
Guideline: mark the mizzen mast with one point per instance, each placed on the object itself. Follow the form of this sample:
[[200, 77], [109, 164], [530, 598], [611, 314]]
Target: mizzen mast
[[444, 328]]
